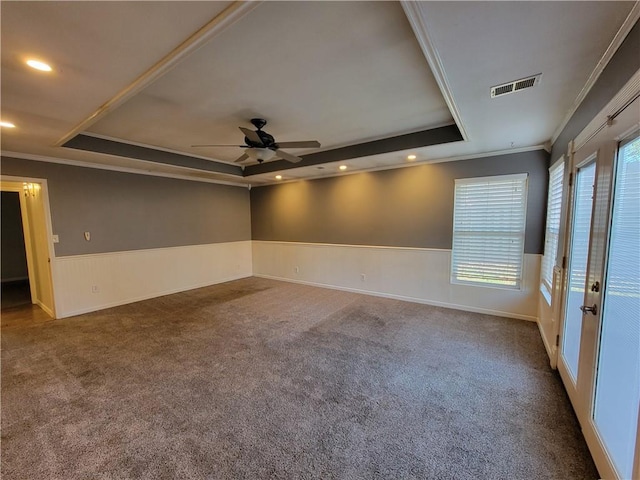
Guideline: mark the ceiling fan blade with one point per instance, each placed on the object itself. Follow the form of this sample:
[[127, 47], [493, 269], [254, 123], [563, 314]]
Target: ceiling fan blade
[[214, 145], [305, 144], [241, 158], [287, 156], [251, 135]]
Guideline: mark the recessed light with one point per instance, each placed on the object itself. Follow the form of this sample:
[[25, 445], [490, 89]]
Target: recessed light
[[278, 177], [411, 157], [7, 125], [38, 65], [342, 167]]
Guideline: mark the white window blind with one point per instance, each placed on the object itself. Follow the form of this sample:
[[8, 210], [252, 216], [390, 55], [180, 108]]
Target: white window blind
[[488, 230], [552, 230]]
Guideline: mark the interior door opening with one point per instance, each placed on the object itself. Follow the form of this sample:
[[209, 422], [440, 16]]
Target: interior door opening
[[16, 289], [28, 201]]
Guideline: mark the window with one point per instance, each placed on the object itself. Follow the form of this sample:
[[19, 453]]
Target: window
[[488, 230], [552, 230]]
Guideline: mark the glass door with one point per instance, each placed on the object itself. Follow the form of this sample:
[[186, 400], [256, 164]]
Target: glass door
[[585, 177], [599, 360], [617, 382]]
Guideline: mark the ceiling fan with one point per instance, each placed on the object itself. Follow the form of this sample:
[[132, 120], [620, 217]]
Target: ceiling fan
[[261, 146]]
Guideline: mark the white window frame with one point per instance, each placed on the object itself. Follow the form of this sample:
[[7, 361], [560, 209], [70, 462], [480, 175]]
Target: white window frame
[[552, 232], [459, 232]]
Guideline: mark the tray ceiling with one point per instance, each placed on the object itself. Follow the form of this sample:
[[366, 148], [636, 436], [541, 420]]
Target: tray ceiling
[[348, 74]]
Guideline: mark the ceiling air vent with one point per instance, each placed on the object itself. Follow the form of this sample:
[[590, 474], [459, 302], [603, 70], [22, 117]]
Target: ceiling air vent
[[515, 86]]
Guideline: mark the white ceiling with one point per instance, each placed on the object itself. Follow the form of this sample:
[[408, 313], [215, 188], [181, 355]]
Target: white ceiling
[[340, 72]]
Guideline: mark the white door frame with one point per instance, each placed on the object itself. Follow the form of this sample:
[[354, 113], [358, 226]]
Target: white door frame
[[44, 195], [16, 187]]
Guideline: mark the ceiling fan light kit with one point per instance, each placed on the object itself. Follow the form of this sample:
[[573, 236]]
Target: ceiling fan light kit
[[261, 146], [260, 154]]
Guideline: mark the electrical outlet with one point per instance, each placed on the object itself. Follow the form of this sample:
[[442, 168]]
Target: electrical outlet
[[87, 236], [95, 289], [55, 238], [363, 277], [296, 269]]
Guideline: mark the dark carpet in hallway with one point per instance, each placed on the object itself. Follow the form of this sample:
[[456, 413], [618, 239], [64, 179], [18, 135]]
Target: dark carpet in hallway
[[261, 379], [14, 294]]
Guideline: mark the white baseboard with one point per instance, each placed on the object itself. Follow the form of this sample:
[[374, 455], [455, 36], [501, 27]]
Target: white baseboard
[[411, 274], [45, 308], [464, 308], [551, 351]]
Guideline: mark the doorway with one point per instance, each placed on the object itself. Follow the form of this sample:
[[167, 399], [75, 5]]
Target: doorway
[[27, 200], [15, 288], [599, 360]]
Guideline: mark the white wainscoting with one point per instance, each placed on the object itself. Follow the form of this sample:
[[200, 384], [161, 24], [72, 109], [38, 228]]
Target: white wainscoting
[[131, 276], [414, 274]]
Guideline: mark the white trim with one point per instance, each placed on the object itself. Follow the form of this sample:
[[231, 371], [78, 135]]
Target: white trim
[[251, 180], [118, 253], [513, 176], [493, 153], [49, 312], [547, 347], [44, 196], [619, 37], [218, 24], [416, 163], [555, 164], [380, 247], [114, 168], [620, 100], [16, 186], [414, 14], [405, 298]]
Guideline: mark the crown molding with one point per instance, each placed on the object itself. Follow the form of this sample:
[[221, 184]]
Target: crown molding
[[618, 103], [416, 18], [115, 168], [619, 37]]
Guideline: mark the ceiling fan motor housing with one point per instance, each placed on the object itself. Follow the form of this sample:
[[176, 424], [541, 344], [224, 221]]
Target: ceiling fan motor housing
[[267, 141]]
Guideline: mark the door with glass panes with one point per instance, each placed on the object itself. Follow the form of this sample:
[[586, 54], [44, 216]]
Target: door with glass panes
[[599, 359]]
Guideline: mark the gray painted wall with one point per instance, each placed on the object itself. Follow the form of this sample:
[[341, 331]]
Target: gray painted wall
[[132, 212], [406, 207], [14, 257], [625, 62]]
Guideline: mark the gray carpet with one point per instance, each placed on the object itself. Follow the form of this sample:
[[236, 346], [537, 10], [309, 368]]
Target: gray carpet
[[262, 379]]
